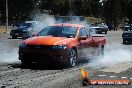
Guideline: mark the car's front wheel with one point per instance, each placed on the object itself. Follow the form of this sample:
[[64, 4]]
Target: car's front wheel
[[24, 62], [14, 37], [124, 41], [72, 58]]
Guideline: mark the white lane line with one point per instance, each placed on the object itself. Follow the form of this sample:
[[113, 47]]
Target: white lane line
[[112, 76], [101, 75], [124, 77], [9, 54], [130, 78], [117, 68]]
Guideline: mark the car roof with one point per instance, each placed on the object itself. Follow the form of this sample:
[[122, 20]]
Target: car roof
[[68, 24]]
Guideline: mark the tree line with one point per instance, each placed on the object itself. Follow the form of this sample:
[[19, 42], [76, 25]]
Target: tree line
[[111, 11]]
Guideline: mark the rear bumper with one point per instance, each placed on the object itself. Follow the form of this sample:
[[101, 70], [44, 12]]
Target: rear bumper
[[41, 55]]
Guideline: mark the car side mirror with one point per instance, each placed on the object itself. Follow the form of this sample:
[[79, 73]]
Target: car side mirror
[[82, 38]]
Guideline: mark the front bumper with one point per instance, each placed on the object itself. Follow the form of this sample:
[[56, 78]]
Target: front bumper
[[43, 55], [128, 39], [19, 34]]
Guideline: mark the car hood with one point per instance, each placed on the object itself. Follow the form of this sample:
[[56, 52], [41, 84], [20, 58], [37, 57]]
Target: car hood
[[47, 40]]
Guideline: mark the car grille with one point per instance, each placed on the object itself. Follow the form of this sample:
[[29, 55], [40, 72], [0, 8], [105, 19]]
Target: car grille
[[127, 35], [38, 47], [37, 57], [18, 31]]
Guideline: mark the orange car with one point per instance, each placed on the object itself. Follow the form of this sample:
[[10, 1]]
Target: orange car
[[63, 43]]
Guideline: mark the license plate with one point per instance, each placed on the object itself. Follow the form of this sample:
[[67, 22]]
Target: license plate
[[17, 34]]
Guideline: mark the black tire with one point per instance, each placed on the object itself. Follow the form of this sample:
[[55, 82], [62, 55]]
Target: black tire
[[106, 32], [124, 41], [72, 58], [14, 37], [24, 62]]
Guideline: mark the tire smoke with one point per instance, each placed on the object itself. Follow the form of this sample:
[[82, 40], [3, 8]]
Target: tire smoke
[[114, 54], [9, 54]]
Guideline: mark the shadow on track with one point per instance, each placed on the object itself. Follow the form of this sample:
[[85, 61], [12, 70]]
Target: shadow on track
[[39, 66], [46, 66]]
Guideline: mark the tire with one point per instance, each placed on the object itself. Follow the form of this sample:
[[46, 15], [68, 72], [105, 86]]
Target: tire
[[72, 58], [24, 62], [14, 37], [124, 41], [106, 32]]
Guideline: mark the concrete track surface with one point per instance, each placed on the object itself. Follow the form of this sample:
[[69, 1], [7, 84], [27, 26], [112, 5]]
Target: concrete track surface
[[116, 65]]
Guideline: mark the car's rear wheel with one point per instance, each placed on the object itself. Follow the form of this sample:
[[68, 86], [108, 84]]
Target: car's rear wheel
[[72, 58]]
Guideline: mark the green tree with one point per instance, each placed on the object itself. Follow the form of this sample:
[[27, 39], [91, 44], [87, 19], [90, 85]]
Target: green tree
[[112, 13], [129, 11]]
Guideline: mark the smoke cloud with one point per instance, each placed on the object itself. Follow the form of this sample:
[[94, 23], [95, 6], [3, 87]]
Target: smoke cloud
[[114, 54], [44, 19], [9, 53]]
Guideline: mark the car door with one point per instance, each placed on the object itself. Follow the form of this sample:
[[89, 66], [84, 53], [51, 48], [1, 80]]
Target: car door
[[84, 45]]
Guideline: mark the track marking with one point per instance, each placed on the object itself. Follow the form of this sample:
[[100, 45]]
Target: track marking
[[7, 54], [117, 68], [124, 77], [112, 76], [130, 78], [101, 75]]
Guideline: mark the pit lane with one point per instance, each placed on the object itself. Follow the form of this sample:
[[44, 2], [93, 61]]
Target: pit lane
[[13, 74]]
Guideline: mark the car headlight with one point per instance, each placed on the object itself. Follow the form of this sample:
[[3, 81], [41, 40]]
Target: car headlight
[[23, 45], [58, 47]]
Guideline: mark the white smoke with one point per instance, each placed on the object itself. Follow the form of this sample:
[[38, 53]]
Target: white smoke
[[42, 20], [114, 54], [9, 54], [45, 19], [9, 58]]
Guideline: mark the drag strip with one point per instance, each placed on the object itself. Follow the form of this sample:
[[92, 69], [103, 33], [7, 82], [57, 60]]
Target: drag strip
[[14, 75]]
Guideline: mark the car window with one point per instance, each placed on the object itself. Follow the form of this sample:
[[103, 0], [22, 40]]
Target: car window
[[59, 31], [82, 32], [87, 31]]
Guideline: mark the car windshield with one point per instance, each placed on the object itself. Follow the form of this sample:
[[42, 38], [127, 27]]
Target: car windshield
[[56, 31], [26, 25]]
